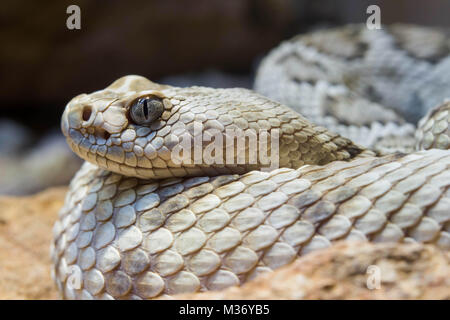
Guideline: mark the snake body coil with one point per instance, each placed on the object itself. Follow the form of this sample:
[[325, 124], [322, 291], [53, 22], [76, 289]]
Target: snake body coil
[[370, 86], [137, 224]]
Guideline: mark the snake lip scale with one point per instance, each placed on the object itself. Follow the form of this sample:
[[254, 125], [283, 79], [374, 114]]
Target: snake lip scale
[[137, 225]]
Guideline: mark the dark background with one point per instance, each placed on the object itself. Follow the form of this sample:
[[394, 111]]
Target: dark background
[[216, 43], [44, 64]]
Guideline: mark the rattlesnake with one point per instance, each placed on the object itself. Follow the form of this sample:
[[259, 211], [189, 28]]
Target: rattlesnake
[[136, 224]]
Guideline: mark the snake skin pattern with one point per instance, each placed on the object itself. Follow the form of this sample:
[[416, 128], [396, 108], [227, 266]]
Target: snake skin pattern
[[434, 129], [366, 85], [136, 225]]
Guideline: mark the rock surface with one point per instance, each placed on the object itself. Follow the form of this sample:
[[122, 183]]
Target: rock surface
[[25, 234], [409, 271]]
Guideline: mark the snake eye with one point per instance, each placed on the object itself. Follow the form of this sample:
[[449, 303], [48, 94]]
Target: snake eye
[[146, 110]]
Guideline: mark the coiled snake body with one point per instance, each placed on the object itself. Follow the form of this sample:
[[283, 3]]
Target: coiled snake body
[[138, 224]]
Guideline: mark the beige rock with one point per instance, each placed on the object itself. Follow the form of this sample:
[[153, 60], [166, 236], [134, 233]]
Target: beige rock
[[408, 271], [25, 235]]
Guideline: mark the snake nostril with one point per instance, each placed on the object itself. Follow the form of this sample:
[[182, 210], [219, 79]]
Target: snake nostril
[[106, 135], [87, 112]]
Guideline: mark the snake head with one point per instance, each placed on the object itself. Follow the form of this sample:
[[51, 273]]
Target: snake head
[[112, 128], [135, 127], [139, 128]]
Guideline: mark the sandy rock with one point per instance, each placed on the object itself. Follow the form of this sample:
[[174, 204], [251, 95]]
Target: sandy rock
[[407, 271], [25, 235]]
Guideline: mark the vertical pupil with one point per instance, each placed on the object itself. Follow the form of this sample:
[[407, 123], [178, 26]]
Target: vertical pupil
[[145, 109]]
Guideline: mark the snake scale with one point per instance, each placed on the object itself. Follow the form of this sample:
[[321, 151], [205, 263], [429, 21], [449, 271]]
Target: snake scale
[[136, 224]]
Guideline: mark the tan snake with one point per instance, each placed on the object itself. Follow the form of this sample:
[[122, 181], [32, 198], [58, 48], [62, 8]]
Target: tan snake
[[135, 224]]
